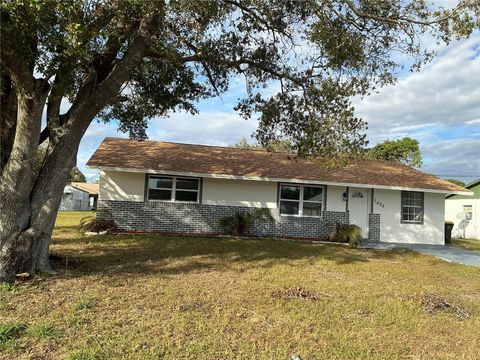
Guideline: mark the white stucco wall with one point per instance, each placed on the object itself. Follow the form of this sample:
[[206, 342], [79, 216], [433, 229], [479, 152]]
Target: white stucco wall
[[453, 207], [116, 185], [391, 230], [127, 186], [239, 193], [335, 198]]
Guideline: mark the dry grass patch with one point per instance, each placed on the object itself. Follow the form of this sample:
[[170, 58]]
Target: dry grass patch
[[297, 293], [434, 303], [151, 297], [469, 244]]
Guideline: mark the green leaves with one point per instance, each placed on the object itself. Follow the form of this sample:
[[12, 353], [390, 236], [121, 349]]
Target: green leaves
[[317, 54], [406, 151]]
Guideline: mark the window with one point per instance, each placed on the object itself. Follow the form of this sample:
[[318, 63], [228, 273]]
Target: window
[[468, 210], [412, 207], [172, 188], [301, 200]]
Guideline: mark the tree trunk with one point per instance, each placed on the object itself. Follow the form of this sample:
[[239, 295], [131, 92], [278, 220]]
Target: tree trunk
[[28, 211], [25, 237]]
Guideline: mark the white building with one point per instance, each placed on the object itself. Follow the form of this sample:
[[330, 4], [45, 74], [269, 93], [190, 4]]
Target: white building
[[464, 212], [79, 196], [183, 188]]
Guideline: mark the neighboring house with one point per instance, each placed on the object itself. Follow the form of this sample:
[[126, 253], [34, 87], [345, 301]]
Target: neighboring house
[[181, 188], [79, 196], [464, 212]]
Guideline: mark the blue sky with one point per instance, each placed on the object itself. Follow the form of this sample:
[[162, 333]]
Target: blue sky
[[439, 106]]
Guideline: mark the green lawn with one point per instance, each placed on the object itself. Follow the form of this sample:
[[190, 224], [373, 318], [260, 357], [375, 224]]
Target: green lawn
[[470, 244], [152, 297]]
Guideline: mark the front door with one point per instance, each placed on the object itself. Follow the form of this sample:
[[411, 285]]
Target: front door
[[358, 208]]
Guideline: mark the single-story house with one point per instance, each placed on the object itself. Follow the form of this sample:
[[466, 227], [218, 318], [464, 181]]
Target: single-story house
[[464, 212], [80, 196], [182, 188]]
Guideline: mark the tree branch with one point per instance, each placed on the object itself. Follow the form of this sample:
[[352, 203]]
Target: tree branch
[[93, 96], [398, 20]]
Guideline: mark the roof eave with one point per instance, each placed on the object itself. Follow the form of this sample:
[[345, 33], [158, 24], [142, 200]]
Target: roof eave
[[260, 178]]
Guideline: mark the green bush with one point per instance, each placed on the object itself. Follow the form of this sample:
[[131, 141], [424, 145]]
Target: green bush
[[240, 223], [348, 233]]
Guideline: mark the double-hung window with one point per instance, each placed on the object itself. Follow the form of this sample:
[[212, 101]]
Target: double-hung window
[[468, 210], [173, 188], [412, 207], [301, 200]]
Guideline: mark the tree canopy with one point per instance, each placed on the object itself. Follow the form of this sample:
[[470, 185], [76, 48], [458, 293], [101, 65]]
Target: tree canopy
[[272, 146], [316, 53], [406, 151], [457, 182]]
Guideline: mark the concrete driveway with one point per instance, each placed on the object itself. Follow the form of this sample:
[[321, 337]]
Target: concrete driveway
[[447, 253]]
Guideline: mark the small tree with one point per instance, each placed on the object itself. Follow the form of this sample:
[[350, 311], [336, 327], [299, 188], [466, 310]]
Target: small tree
[[406, 151]]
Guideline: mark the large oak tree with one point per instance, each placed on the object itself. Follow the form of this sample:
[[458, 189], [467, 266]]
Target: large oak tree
[[136, 60]]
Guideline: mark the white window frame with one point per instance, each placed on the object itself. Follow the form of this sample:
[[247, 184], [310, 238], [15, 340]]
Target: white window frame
[[301, 201], [173, 189], [468, 209], [422, 207]]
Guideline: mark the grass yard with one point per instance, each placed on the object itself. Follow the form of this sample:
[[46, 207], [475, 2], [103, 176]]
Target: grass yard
[[470, 244], [154, 297]]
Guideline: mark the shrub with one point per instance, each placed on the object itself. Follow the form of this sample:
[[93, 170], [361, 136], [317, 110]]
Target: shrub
[[348, 233], [91, 223], [240, 223]]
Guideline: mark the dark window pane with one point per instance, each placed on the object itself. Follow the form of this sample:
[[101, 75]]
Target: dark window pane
[[312, 209], [418, 216], [312, 194], [154, 194], [189, 184], [289, 207], [412, 206], [160, 182], [185, 196], [290, 192]]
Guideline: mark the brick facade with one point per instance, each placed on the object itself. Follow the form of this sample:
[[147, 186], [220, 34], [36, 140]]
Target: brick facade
[[374, 227], [170, 217]]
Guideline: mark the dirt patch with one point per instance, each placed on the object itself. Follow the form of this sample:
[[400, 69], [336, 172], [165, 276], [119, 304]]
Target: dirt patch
[[434, 303], [297, 293]]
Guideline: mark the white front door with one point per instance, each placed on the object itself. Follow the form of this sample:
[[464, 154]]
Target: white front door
[[358, 208]]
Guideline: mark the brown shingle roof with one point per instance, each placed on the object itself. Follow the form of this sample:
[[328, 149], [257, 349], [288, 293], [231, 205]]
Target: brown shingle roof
[[201, 159], [92, 189]]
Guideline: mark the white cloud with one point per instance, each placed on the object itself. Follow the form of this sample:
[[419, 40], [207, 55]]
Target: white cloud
[[208, 127], [439, 106], [444, 93], [458, 158], [473, 122]]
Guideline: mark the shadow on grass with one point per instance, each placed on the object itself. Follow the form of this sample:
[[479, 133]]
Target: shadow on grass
[[170, 255]]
